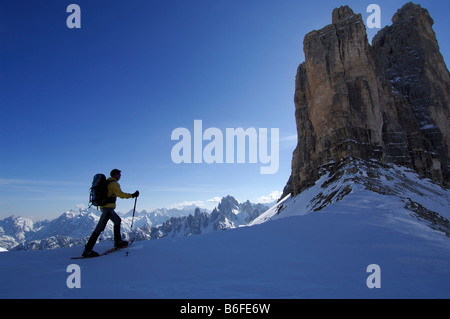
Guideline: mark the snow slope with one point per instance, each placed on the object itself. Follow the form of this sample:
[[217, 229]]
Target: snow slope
[[294, 250], [319, 255]]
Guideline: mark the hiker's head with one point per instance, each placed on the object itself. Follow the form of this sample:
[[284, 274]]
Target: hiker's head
[[115, 173]]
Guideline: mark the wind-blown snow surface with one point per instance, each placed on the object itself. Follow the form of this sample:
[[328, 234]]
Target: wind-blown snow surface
[[322, 254]]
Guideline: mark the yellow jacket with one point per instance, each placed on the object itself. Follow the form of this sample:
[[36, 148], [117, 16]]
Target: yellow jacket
[[115, 191]]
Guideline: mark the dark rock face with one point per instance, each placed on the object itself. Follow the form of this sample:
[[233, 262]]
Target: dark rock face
[[409, 57], [353, 100]]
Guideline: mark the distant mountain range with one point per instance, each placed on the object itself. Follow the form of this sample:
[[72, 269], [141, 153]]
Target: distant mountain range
[[73, 228]]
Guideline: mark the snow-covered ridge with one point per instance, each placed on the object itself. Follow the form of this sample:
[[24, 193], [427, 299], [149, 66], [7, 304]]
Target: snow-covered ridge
[[394, 190]]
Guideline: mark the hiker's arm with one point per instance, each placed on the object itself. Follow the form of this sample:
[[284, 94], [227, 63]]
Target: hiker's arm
[[115, 188]]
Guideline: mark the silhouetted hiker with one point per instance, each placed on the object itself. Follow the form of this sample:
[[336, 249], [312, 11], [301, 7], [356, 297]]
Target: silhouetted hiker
[[108, 213]]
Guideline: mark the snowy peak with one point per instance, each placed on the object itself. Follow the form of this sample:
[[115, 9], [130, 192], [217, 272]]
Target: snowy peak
[[228, 214], [228, 204], [75, 224], [16, 226], [14, 230]]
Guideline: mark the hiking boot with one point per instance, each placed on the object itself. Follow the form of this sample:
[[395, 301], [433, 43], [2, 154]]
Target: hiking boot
[[120, 244], [90, 254]]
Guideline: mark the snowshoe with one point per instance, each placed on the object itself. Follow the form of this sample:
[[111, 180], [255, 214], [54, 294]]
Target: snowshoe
[[121, 244], [90, 254]]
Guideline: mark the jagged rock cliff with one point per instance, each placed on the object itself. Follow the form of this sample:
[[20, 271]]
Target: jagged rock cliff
[[409, 57], [356, 101]]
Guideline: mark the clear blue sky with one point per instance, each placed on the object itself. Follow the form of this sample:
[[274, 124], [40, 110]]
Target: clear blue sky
[[75, 102]]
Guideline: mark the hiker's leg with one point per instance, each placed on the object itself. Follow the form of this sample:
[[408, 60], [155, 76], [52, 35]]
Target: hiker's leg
[[91, 242], [98, 229], [116, 220], [106, 215]]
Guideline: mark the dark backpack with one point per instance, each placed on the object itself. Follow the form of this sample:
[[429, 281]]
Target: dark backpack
[[99, 192]]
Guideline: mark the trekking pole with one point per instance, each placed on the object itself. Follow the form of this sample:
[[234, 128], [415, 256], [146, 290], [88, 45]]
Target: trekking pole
[[132, 219], [134, 210]]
